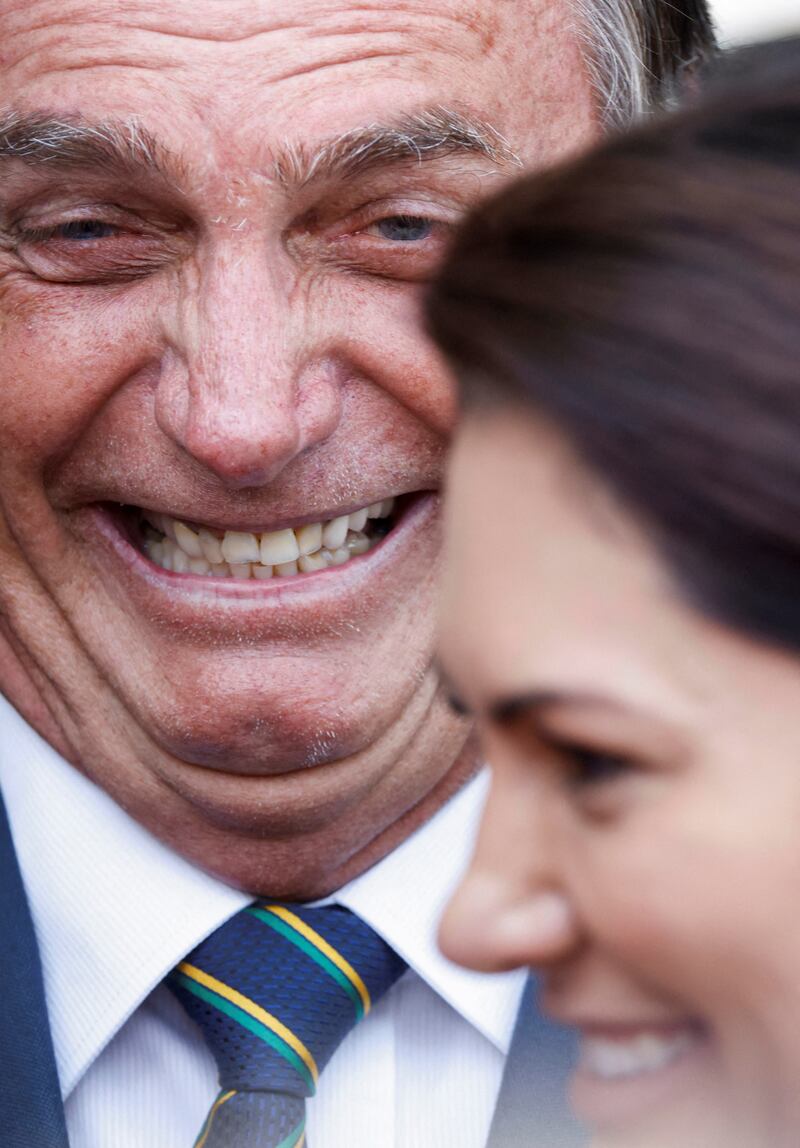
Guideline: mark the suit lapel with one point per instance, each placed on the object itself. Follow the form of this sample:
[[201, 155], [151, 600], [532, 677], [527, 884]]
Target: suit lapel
[[31, 1112], [532, 1109]]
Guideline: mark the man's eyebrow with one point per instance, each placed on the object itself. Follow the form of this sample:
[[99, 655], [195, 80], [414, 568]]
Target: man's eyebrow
[[71, 142], [124, 146], [419, 136]]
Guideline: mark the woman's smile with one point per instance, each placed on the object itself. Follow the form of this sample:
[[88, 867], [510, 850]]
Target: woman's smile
[[623, 729]]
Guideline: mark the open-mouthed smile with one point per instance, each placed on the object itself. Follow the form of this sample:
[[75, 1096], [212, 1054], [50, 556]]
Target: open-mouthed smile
[[191, 548], [623, 1071], [190, 567]]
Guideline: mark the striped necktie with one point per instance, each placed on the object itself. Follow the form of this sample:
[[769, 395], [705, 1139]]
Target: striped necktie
[[275, 991]]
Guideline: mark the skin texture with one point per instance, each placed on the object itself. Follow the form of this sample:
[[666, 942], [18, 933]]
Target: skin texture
[[235, 351], [640, 842]]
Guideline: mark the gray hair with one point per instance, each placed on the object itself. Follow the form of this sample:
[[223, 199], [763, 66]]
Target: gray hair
[[642, 54]]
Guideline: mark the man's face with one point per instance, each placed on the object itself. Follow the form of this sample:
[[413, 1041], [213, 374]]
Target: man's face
[[213, 238]]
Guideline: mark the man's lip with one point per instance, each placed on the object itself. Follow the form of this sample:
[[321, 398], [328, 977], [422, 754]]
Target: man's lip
[[248, 523], [183, 595]]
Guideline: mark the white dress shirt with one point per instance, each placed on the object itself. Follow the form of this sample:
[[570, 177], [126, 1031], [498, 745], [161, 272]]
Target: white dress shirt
[[115, 910]]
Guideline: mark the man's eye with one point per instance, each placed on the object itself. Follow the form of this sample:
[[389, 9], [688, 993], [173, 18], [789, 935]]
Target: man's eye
[[402, 228], [594, 767], [91, 250], [83, 229]]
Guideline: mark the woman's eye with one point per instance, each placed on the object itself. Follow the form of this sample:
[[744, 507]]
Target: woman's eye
[[402, 228], [594, 767]]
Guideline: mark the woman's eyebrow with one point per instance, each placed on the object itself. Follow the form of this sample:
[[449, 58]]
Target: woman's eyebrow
[[531, 703]]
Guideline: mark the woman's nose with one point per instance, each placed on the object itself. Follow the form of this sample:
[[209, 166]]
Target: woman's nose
[[511, 907], [492, 926]]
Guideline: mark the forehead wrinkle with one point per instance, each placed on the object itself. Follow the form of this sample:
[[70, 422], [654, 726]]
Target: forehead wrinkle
[[71, 142], [420, 136]]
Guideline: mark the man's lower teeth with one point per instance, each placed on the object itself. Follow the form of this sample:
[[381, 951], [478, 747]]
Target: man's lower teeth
[[175, 546]]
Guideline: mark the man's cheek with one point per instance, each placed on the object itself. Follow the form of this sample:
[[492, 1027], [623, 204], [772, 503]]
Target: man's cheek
[[382, 330], [63, 358]]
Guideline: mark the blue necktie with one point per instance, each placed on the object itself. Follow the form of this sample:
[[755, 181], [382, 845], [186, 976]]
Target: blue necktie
[[275, 991]]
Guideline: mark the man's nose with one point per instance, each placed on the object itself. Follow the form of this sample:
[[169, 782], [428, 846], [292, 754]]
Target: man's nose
[[238, 390], [511, 908]]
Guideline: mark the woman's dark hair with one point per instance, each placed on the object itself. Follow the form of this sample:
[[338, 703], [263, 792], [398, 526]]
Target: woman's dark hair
[[646, 300]]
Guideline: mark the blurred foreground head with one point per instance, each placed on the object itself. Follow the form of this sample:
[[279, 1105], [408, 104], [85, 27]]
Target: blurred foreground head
[[622, 611]]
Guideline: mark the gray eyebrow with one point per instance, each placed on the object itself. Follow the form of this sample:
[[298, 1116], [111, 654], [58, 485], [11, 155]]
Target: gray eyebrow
[[421, 136], [74, 142], [115, 145]]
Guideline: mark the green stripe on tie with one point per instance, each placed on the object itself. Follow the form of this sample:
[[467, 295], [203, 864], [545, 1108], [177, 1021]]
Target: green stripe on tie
[[294, 1138], [319, 958], [250, 1023]]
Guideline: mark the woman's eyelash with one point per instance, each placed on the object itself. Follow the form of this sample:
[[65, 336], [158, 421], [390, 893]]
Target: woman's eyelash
[[456, 705], [589, 766]]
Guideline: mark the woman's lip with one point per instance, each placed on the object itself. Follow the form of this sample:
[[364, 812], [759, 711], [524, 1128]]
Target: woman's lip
[[624, 1028], [623, 1093]]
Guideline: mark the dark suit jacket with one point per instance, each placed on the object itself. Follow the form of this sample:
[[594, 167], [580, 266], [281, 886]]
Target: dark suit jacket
[[31, 1114], [530, 1111]]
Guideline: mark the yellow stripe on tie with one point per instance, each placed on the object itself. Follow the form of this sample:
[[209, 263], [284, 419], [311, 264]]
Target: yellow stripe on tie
[[256, 1011], [320, 943], [209, 1119]]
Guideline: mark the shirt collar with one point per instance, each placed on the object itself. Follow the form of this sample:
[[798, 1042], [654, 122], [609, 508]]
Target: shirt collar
[[403, 898], [115, 909]]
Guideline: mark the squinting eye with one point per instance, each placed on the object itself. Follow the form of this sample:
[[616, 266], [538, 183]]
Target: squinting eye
[[593, 767], [78, 229], [403, 228]]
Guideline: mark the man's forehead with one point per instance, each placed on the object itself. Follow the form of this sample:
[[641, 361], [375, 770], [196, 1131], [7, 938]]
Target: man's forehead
[[103, 28], [233, 19], [295, 77], [240, 58]]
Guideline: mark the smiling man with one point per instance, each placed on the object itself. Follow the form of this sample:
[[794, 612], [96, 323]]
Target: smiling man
[[220, 454]]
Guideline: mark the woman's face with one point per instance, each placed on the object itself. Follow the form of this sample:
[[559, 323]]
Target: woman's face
[[641, 843]]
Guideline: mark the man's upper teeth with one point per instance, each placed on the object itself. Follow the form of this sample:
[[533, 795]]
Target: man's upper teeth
[[613, 1059], [241, 554]]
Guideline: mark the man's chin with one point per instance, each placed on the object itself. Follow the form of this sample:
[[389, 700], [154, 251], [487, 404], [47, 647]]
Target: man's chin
[[261, 748], [300, 831], [299, 852], [264, 802]]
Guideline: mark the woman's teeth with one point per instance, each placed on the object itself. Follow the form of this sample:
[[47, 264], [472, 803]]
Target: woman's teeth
[[172, 545], [616, 1058]]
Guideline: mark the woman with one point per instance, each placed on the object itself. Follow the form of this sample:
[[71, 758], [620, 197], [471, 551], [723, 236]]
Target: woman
[[622, 608]]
